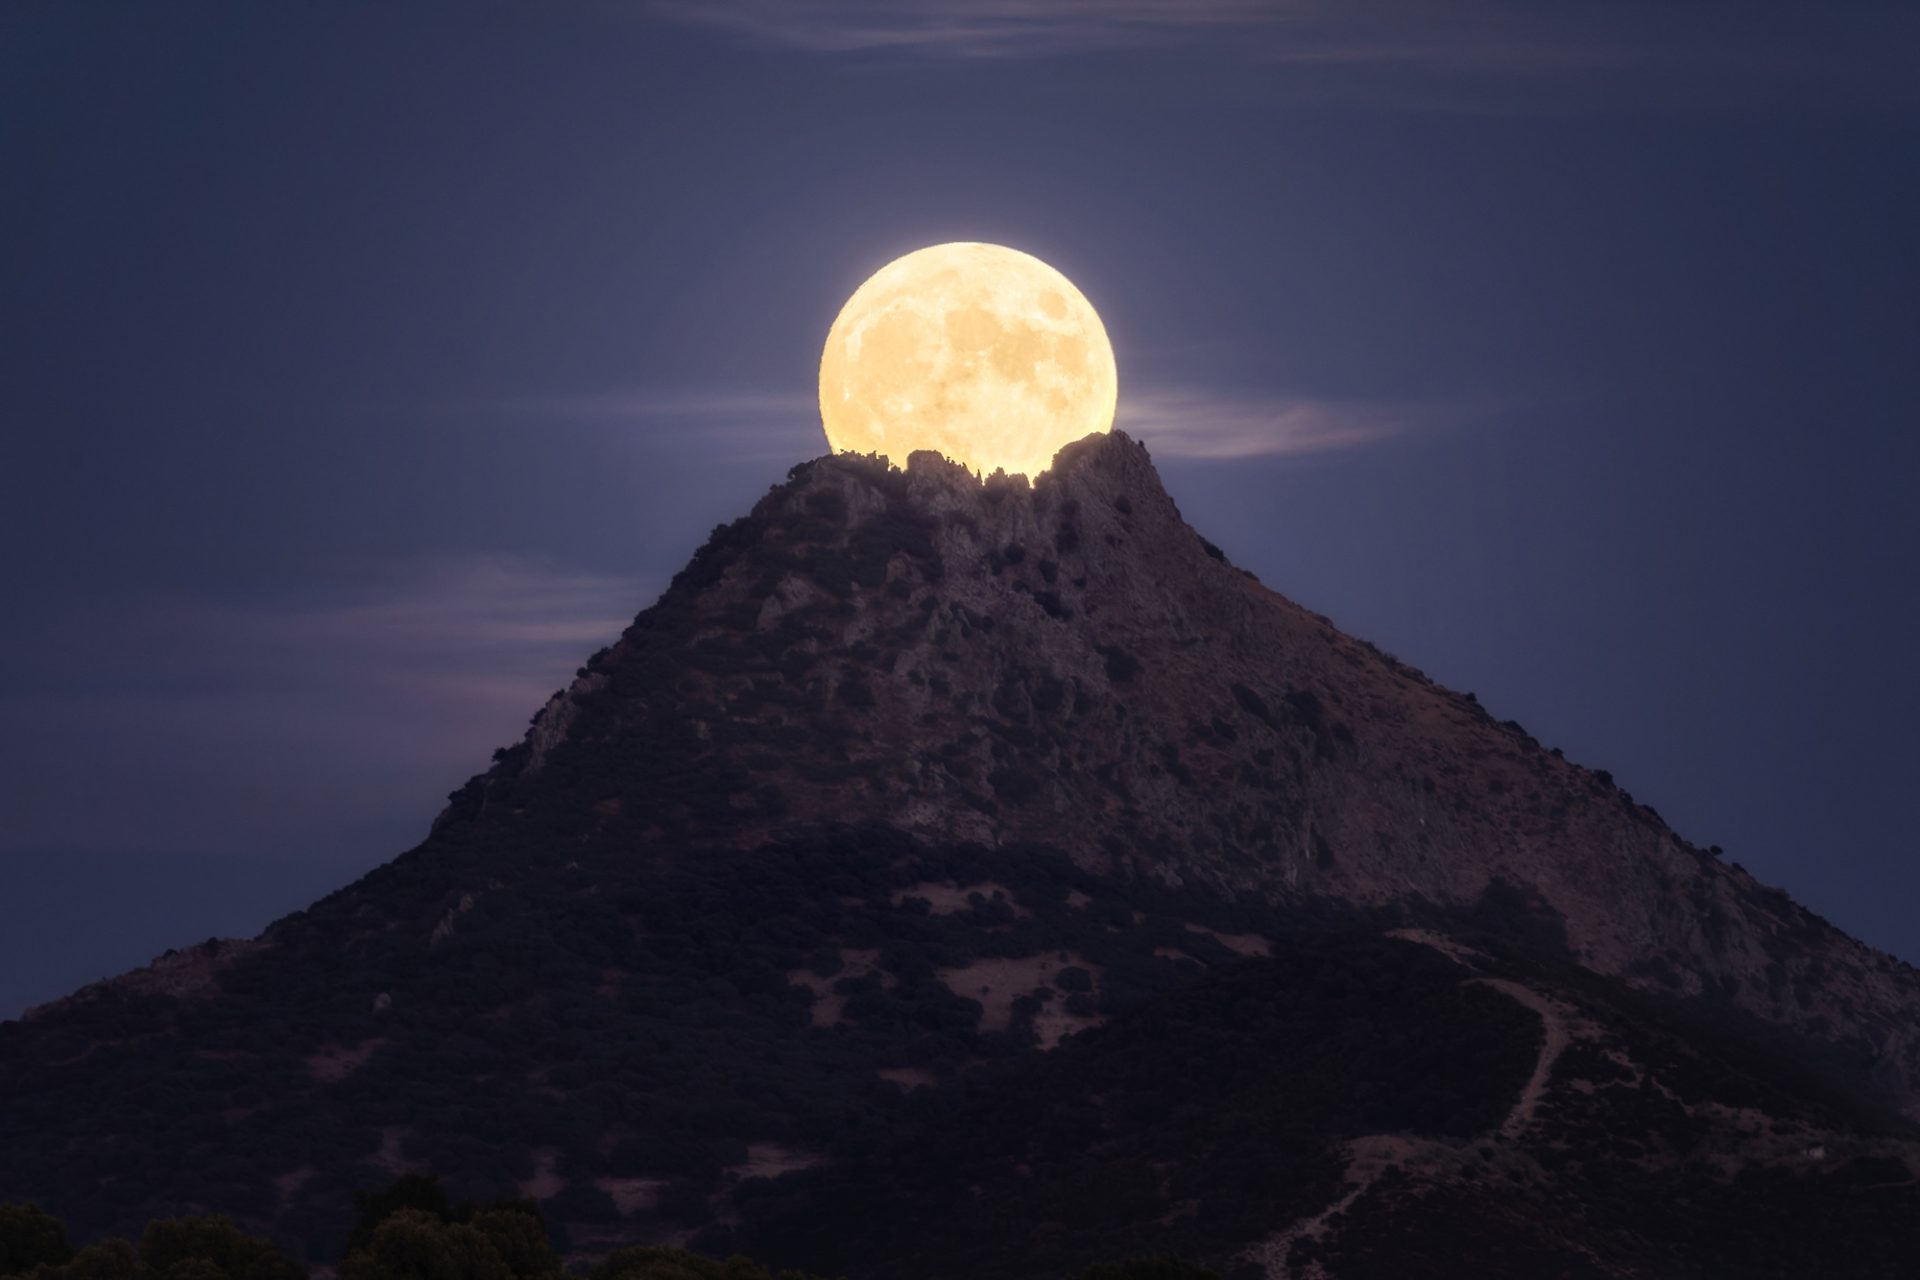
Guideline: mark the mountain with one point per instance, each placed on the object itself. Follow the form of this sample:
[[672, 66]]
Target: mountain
[[949, 875]]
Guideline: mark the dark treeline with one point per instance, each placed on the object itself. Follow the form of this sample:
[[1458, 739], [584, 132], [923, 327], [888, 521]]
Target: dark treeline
[[410, 1231]]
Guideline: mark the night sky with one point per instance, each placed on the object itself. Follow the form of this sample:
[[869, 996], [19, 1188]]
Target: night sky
[[367, 366]]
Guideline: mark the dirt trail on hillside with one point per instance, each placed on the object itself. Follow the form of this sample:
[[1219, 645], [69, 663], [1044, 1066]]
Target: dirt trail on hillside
[[1367, 1159], [1558, 1035], [1370, 1157], [1557, 1030]]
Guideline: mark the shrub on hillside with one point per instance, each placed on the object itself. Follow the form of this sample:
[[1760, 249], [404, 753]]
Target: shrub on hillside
[[29, 1238], [34, 1244], [414, 1245]]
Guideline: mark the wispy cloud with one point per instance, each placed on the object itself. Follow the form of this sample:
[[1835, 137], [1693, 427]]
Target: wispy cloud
[[1193, 423], [982, 28], [1388, 49], [502, 618], [683, 402], [1176, 422], [754, 426], [339, 712]]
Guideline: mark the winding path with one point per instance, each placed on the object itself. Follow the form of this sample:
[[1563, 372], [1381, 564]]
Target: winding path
[[1558, 1035], [1369, 1157]]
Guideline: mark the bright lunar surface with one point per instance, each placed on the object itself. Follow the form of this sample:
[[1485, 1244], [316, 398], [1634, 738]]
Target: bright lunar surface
[[980, 352]]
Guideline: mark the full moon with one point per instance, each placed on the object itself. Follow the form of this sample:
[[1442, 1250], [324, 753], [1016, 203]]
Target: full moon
[[976, 351]]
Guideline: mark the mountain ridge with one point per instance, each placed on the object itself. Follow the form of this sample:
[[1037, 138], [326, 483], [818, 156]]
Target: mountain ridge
[[909, 779]]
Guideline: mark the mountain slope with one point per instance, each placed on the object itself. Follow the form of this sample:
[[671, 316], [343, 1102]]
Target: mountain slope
[[905, 778], [1073, 665], [1401, 1102]]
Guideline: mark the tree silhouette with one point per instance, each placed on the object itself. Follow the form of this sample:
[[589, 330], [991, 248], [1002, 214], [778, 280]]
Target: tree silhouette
[[29, 1238]]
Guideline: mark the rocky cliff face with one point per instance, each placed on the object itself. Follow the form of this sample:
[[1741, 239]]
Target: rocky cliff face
[[1072, 664]]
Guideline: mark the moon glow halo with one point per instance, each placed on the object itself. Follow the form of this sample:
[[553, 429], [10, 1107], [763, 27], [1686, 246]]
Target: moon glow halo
[[976, 351]]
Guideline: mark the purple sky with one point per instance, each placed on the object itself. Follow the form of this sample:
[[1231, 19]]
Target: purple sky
[[368, 366]]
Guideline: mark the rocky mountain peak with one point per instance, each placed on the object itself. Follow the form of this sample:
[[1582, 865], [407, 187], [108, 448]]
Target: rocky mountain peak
[[1068, 663]]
